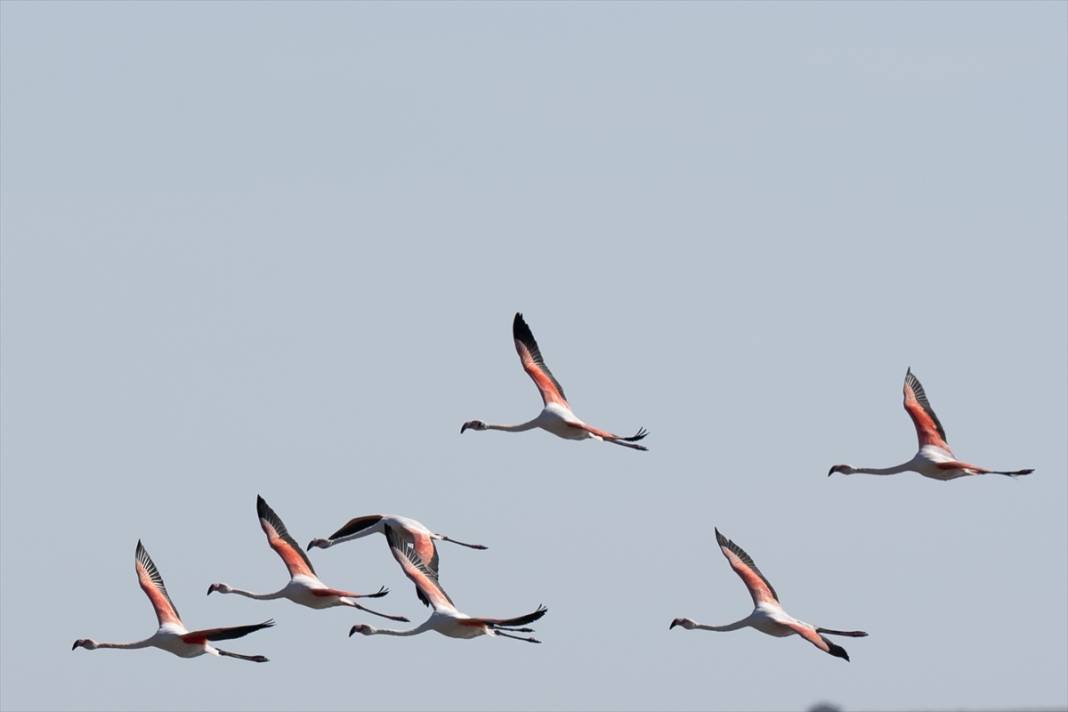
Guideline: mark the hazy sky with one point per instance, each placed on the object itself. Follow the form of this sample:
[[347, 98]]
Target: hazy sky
[[276, 249]]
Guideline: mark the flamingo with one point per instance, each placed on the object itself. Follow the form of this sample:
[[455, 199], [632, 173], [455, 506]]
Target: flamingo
[[417, 533], [934, 458], [556, 417], [444, 619], [172, 636], [768, 615], [304, 586]]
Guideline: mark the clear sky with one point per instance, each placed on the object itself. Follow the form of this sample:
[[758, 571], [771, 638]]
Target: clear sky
[[276, 249]]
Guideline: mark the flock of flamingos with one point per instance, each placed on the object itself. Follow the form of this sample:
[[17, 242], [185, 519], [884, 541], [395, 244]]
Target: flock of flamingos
[[413, 545]]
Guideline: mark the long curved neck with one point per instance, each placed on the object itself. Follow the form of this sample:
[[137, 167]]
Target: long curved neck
[[258, 596], [724, 628], [424, 627], [529, 425], [127, 646], [904, 467]]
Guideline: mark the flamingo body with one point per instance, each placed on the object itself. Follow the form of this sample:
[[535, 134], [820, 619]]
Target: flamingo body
[[768, 615], [556, 416], [172, 636], [933, 459], [304, 587], [445, 618], [415, 534]]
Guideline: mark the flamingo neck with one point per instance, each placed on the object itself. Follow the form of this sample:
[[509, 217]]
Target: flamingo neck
[[737, 625], [127, 646], [529, 425], [905, 467], [411, 631], [258, 596]]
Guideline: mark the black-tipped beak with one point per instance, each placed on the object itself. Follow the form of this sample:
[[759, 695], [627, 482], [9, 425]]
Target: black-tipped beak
[[210, 589], [673, 624], [75, 646], [310, 545], [830, 472], [463, 428], [352, 630]]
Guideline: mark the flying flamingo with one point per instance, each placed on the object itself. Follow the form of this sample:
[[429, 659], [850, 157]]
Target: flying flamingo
[[172, 636], [422, 539], [304, 586], [556, 417], [768, 615], [934, 458], [444, 619]]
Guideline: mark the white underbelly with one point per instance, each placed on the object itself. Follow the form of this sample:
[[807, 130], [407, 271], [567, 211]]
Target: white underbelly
[[927, 461], [555, 419]]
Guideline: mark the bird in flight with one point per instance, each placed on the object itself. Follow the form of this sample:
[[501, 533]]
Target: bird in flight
[[304, 586], [444, 618], [768, 615], [421, 538], [172, 636], [556, 416], [934, 458]]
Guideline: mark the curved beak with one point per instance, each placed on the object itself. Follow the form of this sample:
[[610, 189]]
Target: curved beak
[[352, 630], [75, 646], [463, 428], [210, 589], [673, 624]]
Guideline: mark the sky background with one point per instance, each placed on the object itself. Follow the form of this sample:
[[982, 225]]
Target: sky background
[[269, 249]]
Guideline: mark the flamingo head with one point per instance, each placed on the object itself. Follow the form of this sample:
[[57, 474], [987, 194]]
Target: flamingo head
[[361, 628], [87, 643], [319, 544], [844, 469], [473, 425], [220, 587], [684, 622]]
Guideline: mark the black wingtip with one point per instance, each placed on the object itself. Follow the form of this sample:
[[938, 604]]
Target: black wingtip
[[837, 650], [520, 330], [720, 539]]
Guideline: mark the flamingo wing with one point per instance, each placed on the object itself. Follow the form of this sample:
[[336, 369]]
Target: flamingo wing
[[423, 576], [534, 364], [237, 631], [518, 620], [356, 524], [813, 636], [278, 537], [742, 563], [929, 430], [152, 584]]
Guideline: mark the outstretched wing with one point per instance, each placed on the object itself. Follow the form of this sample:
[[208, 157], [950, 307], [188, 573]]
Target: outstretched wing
[[743, 565], [237, 631], [534, 364], [152, 584], [518, 620], [928, 430], [295, 560], [356, 525], [813, 636], [422, 575]]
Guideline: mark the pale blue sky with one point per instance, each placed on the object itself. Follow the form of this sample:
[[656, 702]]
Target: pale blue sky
[[276, 249]]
